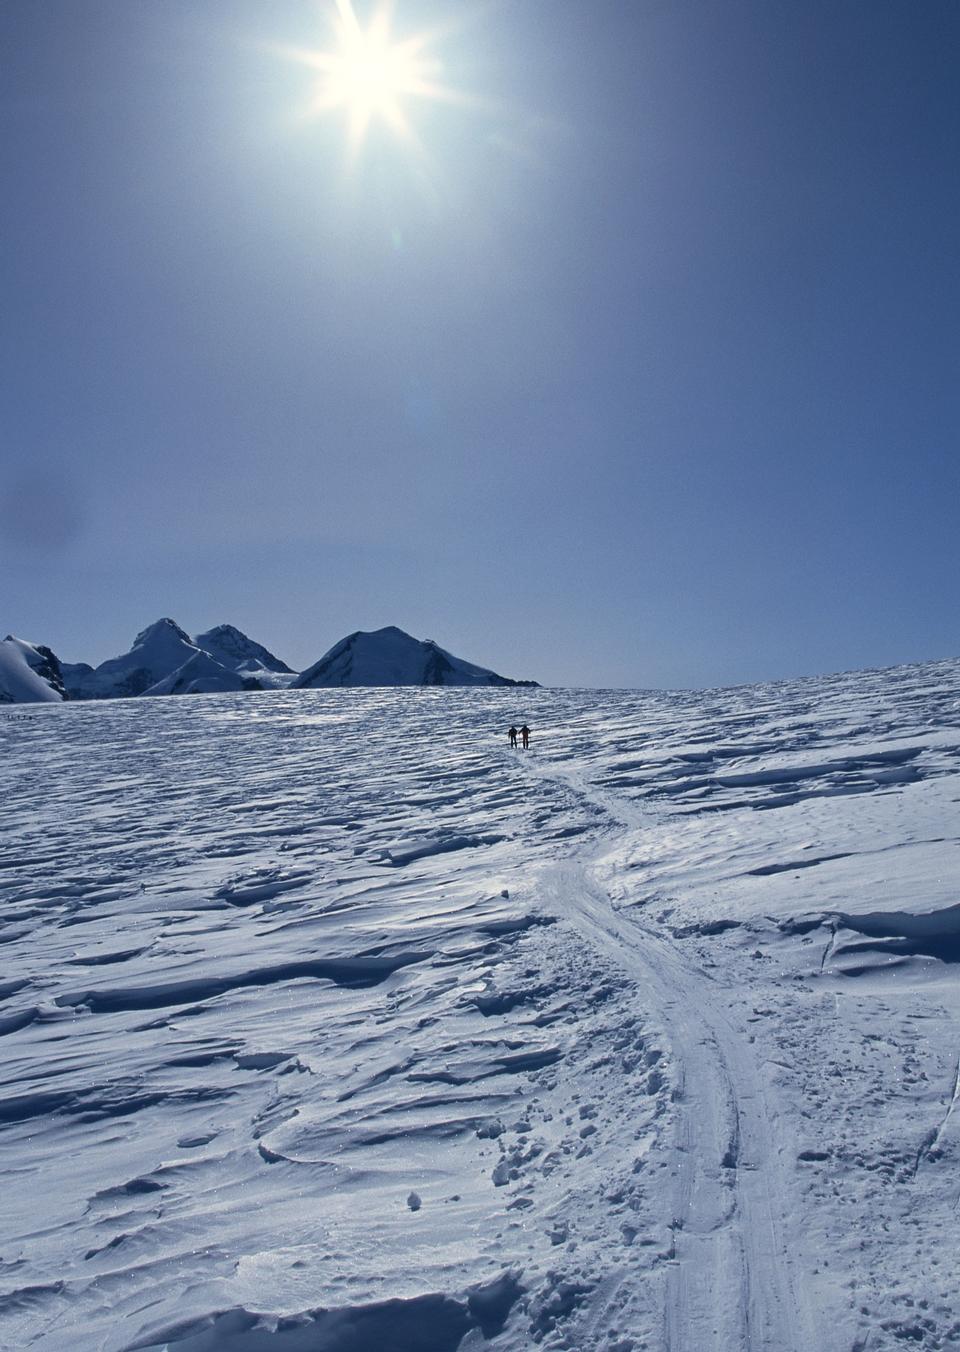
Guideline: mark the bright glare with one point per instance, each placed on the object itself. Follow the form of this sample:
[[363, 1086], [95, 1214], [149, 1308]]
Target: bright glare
[[369, 76]]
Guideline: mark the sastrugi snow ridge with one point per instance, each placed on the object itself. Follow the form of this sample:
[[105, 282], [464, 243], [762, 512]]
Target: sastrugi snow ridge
[[346, 1026]]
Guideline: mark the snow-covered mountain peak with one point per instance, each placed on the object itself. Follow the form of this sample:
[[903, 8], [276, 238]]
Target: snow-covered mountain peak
[[162, 631], [29, 673], [158, 650], [236, 650], [392, 630], [223, 633], [161, 651], [391, 657]]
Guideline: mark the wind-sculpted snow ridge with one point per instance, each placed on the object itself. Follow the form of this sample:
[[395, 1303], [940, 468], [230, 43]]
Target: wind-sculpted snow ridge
[[330, 1022]]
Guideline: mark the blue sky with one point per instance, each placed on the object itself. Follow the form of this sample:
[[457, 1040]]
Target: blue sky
[[646, 372]]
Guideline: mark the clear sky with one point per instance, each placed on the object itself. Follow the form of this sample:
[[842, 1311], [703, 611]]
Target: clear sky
[[639, 366]]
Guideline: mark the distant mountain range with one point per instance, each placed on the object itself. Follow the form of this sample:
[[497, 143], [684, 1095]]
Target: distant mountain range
[[165, 660]]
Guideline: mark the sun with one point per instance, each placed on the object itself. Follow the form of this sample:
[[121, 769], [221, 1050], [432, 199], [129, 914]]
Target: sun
[[369, 76]]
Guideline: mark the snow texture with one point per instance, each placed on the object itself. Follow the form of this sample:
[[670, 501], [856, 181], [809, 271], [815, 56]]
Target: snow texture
[[332, 1023]]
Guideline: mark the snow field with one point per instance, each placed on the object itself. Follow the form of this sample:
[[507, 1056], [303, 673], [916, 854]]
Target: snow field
[[331, 1023]]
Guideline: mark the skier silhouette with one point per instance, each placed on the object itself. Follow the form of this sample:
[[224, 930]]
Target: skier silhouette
[[512, 734], [525, 734]]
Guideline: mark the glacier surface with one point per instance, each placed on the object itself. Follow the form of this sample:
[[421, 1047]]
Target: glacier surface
[[330, 1022]]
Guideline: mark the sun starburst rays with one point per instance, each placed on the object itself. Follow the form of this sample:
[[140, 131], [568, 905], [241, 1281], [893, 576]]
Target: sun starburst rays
[[369, 77]]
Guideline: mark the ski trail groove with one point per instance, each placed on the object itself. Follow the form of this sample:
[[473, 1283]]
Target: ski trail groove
[[732, 1282], [932, 1142]]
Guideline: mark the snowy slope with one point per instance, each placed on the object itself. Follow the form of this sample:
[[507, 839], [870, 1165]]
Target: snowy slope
[[29, 673], [235, 650], [389, 657], [79, 679], [200, 675], [329, 1022]]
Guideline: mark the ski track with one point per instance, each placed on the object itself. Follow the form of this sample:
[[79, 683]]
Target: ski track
[[728, 1228], [329, 1021]]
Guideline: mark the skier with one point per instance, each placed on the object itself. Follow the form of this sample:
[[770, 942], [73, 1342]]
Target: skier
[[525, 734], [512, 734]]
